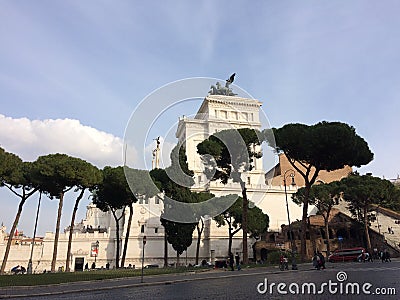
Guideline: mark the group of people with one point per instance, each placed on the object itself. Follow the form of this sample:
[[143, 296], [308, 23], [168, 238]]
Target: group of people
[[233, 260], [383, 255], [318, 260], [18, 270]]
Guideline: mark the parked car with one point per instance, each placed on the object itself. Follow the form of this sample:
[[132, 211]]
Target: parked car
[[221, 263], [203, 264], [350, 254], [151, 266]]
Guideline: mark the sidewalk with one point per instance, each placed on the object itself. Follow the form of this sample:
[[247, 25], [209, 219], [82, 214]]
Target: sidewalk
[[97, 285]]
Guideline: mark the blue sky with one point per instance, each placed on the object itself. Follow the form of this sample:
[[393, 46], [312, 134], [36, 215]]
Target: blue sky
[[72, 72]]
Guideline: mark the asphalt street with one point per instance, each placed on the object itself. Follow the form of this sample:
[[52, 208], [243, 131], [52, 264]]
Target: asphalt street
[[341, 280]]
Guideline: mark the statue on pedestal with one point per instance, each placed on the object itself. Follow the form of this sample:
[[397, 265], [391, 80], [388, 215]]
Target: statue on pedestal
[[155, 163], [218, 89]]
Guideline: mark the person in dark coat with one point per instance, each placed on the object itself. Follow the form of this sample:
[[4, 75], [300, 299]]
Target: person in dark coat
[[322, 260], [237, 260]]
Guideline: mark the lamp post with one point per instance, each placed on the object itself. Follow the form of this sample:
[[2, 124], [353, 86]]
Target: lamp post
[[144, 243], [290, 173]]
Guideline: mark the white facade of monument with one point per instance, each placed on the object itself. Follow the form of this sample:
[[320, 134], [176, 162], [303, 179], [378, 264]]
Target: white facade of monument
[[217, 113]]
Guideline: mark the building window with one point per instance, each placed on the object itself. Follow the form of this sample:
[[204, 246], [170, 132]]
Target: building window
[[216, 113], [235, 115], [245, 116], [224, 114], [157, 200], [248, 180], [199, 179], [156, 230], [142, 229], [143, 200], [251, 117]]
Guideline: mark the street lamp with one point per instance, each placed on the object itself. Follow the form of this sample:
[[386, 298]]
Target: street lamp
[[290, 173], [144, 243]]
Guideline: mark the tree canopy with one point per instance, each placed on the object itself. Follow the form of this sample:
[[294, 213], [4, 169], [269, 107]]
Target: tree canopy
[[324, 146], [362, 192], [227, 155], [16, 176], [258, 222], [113, 194]]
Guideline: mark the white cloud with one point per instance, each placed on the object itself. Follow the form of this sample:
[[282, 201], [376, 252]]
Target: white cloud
[[32, 138]]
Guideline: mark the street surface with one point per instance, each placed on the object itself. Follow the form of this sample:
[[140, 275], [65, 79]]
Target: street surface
[[355, 281]]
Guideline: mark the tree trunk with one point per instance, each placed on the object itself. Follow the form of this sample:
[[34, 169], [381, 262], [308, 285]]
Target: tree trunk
[[71, 229], [177, 259], [165, 249], [312, 235], [366, 229], [57, 234], [117, 239], [303, 237], [328, 248], [199, 232], [230, 240], [128, 229], [244, 223], [12, 232]]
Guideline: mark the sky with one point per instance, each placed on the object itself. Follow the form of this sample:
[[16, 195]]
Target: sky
[[73, 72]]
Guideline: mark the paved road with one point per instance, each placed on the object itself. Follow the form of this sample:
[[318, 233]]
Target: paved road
[[247, 284]]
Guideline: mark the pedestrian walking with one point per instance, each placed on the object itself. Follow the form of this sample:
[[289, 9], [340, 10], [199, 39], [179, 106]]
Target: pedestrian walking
[[376, 256], [386, 254], [369, 256], [237, 260]]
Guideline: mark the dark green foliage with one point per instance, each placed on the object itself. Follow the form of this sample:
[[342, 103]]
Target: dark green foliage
[[232, 153], [228, 154], [56, 173], [11, 169], [258, 222], [16, 176], [179, 234], [393, 201], [114, 192], [326, 145], [362, 192], [175, 182]]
